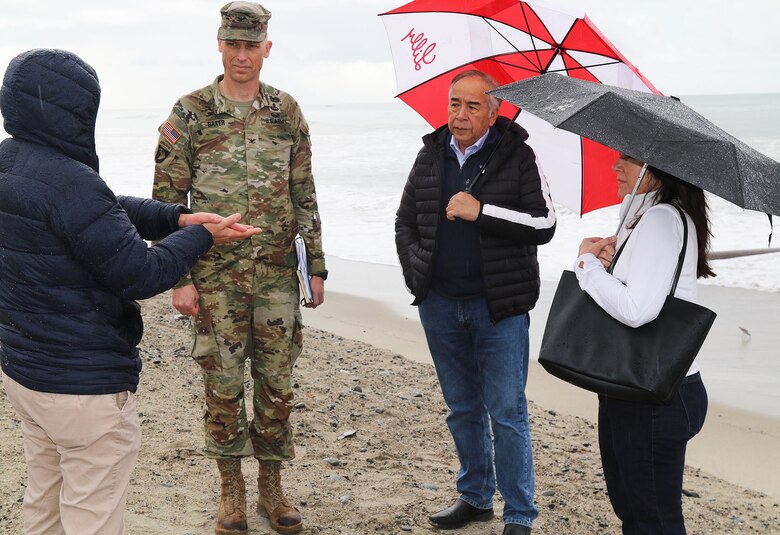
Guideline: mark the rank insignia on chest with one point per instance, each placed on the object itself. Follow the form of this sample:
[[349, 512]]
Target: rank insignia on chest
[[170, 132]]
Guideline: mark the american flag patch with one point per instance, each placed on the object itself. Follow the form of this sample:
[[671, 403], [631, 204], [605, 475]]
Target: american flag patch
[[170, 132]]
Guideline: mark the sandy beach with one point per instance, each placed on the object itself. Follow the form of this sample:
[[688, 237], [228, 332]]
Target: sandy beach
[[740, 441], [373, 451]]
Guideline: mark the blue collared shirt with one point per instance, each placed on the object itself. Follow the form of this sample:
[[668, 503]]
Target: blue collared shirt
[[469, 150]]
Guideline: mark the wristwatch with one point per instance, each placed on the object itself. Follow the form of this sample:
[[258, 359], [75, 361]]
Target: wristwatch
[[322, 274]]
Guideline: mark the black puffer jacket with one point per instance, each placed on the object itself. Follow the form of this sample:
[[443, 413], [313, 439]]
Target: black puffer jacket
[[516, 215], [72, 255]]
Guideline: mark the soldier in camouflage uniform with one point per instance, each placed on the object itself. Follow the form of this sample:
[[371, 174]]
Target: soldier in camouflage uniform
[[240, 145]]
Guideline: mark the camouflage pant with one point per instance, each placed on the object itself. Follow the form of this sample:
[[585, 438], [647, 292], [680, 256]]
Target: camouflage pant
[[265, 327]]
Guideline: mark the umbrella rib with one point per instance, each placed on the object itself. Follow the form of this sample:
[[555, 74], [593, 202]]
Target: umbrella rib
[[593, 65], [737, 166], [558, 48], [523, 5], [508, 64], [536, 51], [581, 67], [586, 67], [510, 43]]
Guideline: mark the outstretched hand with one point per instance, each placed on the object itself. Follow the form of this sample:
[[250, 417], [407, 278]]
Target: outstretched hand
[[199, 218], [223, 229]]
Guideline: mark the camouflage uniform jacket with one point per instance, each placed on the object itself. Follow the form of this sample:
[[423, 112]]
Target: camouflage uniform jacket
[[258, 165]]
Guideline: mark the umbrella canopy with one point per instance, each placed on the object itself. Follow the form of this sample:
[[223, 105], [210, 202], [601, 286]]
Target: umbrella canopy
[[661, 131], [434, 40]]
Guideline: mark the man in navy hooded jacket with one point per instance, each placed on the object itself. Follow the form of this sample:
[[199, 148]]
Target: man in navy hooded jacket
[[72, 260]]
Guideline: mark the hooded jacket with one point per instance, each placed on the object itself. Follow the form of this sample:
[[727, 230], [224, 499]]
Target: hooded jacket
[[516, 215], [72, 255]]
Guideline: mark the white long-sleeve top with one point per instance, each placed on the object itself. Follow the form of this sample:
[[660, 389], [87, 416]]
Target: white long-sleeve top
[[643, 275]]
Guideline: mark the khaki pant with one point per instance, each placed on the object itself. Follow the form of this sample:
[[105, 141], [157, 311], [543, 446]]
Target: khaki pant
[[80, 453]]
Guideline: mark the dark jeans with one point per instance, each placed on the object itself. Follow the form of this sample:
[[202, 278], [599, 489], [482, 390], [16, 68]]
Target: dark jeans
[[482, 368], [643, 456]]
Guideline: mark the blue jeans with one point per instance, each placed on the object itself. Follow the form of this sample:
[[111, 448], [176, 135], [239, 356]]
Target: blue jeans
[[643, 456], [482, 369]]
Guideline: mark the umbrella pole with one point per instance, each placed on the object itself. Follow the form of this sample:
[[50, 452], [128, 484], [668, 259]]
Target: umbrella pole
[[473, 182], [633, 193]]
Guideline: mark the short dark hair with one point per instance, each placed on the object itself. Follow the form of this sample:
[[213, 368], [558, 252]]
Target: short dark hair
[[493, 102]]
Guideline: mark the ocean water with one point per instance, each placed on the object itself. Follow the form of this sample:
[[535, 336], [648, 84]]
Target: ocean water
[[362, 156], [363, 153]]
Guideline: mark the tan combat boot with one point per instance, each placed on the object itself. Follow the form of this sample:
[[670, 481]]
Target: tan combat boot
[[231, 513], [272, 503]]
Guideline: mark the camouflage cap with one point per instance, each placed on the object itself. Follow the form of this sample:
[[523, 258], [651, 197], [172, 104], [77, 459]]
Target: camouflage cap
[[244, 21]]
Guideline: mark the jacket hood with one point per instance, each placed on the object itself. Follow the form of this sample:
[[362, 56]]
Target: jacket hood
[[502, 122], [51, 97]]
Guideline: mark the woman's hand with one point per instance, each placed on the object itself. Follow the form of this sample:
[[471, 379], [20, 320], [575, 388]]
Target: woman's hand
[[601, 248], [606, 255]]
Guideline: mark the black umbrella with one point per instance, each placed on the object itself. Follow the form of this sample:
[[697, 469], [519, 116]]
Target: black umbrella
[[661, 131]]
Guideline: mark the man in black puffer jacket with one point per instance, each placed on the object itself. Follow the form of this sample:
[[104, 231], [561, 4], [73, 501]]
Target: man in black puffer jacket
[[72, 260], [468, 252]]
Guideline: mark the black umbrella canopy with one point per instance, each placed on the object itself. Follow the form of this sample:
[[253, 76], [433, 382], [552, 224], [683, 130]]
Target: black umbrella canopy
[[658, 130]]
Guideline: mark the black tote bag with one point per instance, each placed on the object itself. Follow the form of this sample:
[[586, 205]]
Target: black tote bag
[[585, 346]]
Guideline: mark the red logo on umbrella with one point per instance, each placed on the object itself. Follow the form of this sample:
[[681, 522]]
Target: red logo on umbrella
[[420, 51]]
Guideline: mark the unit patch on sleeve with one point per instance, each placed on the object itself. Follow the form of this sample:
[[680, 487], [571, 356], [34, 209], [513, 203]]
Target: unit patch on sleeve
[[162, 152], [170, 132]]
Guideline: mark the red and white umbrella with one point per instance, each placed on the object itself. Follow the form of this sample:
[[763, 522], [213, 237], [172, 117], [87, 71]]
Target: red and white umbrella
[[433, 40]]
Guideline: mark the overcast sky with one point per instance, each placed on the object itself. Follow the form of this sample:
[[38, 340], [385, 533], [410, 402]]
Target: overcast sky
[[149, 52]]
